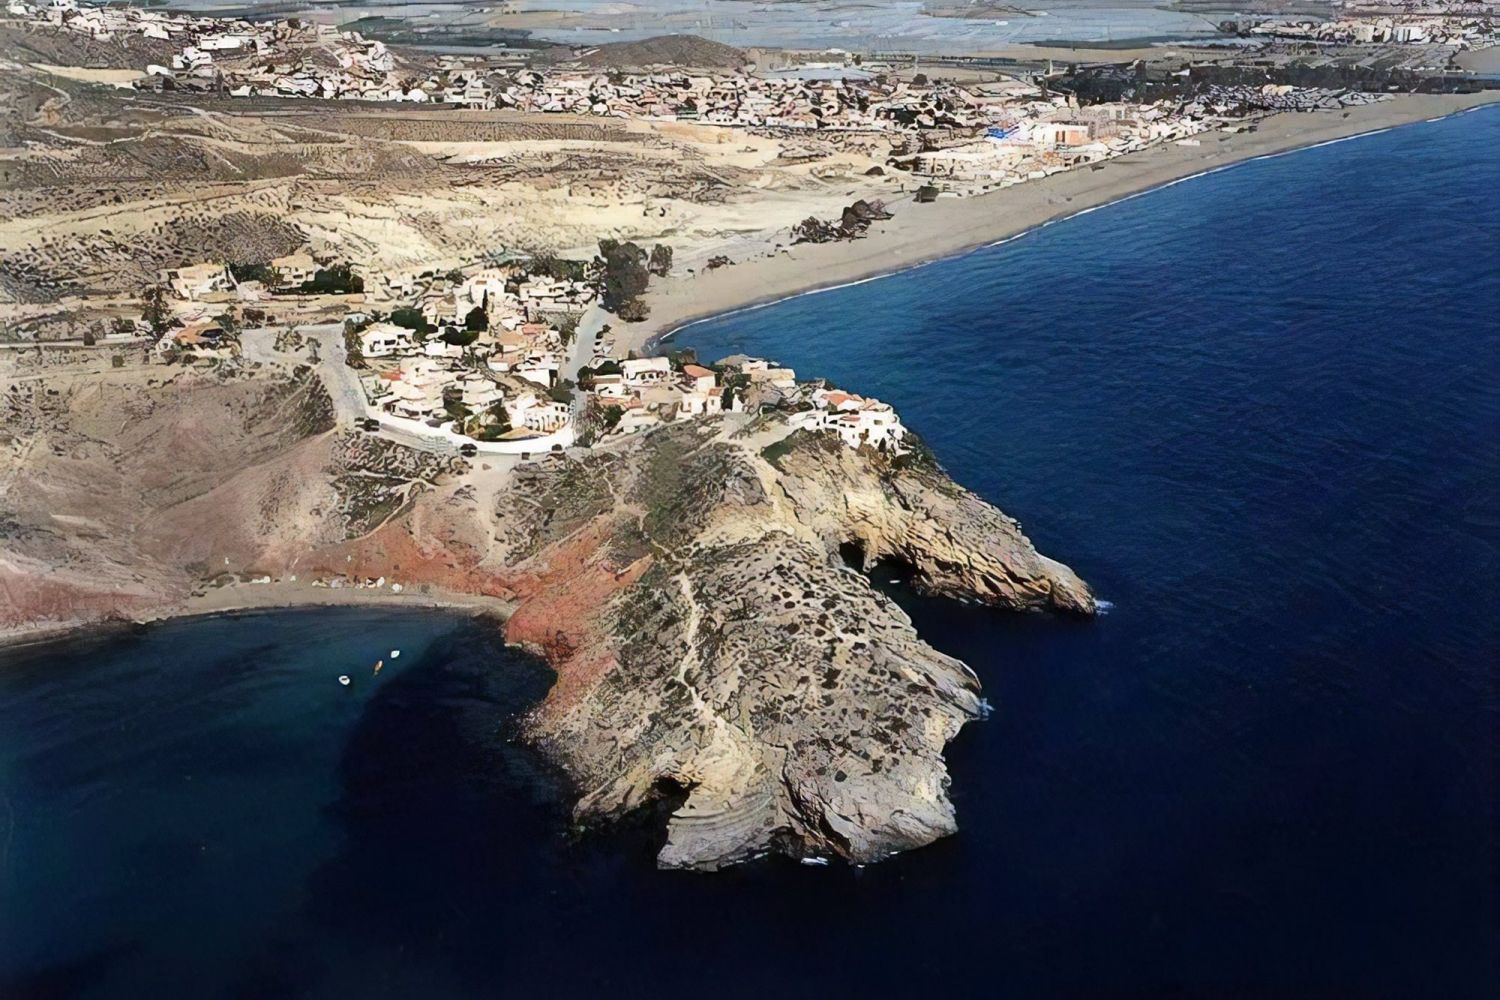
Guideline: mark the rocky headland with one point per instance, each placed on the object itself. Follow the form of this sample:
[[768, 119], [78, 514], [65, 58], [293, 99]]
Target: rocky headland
[[716, 653]]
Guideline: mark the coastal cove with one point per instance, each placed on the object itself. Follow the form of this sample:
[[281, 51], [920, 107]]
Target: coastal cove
[[1257, 411]]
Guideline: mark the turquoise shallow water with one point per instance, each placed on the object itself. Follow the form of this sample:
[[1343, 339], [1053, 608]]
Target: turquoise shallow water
[[1260, 411]]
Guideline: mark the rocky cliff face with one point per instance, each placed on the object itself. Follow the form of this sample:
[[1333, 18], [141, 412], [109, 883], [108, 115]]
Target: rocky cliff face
[[955, 544], [715, 650]]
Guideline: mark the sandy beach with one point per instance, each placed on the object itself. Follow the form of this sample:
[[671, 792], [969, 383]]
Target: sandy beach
[[922, 233]]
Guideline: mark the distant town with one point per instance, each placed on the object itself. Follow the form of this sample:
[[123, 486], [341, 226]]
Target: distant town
[[515, 353], [966, 137]]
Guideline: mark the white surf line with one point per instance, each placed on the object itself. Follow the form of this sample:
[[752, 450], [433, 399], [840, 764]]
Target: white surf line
[[754, 306]]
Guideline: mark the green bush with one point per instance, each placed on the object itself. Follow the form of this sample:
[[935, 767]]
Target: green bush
[[412, 319], [338, 279], [264, 273]]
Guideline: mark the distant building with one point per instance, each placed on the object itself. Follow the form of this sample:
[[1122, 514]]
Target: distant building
[[382, 339], [646, 371], [196, 280], [293, 269]]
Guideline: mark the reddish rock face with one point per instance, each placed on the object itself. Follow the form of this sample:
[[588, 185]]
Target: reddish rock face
[[28, 599], [562, 595]]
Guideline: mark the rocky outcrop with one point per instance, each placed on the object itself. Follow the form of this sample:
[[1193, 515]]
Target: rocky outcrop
[[715, 654], [725, 659], [955, 544]]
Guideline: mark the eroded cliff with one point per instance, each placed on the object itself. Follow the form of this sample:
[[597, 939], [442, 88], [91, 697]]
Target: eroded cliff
[[714, 647]]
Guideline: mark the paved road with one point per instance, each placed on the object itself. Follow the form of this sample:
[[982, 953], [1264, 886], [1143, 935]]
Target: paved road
[[348, 396], [585, 340], [342, 381], [76, 343]]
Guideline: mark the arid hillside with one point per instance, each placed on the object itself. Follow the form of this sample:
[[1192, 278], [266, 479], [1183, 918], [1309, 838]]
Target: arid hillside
[[101, 187]]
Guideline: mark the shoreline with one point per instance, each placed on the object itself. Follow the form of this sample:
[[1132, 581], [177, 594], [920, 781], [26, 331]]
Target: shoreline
[[919, 235], [245, 598]]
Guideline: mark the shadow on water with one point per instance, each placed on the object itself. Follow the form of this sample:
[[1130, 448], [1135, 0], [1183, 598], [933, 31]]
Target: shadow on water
[[439, 809]]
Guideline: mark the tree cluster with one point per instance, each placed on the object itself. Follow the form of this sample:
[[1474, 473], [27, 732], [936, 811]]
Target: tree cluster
[[661, 260], [155, 311], [263, 273], [622, 277], [336, 279], [412, 319], [550, 265]]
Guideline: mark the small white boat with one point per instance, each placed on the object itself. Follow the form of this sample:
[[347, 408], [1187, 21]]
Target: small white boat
[[344, 680], [378, 665], [395, 653]]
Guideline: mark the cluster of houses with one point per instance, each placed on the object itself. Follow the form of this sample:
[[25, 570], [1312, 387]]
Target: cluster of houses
[[216, 279], [480, 357], [1025, 134], [462, 393], [1469, 26], [441, 300], [641, 393], [505, 293], [859, 421], [750, 101], [285, 58], [973, 138], [209, 34], [1038, 138]]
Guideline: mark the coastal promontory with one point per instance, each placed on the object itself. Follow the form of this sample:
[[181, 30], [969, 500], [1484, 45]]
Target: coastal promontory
[[714, 648], [698, 589]]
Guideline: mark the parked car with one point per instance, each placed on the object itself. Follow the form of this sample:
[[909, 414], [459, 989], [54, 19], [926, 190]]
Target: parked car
[[370, 424], [468, 450]]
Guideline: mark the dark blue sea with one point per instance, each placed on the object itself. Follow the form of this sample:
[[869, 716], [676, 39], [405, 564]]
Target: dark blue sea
[[1259, 411]]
